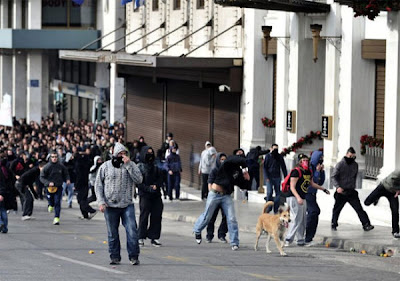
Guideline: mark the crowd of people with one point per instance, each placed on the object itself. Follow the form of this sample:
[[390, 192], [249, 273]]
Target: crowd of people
[[54, 159]]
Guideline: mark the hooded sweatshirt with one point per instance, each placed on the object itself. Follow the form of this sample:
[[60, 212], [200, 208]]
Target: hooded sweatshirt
[[207, 161], [54, 172], [214, 171], [114, 186], [392, 182], [93, 170], [152, 175], [318, 176], [230, 174]]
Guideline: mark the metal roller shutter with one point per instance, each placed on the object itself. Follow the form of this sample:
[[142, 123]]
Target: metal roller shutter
[[145, 111], [188, 118], [226, 122], [380, 99]]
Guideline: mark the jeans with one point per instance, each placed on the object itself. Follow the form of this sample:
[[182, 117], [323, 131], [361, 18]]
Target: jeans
[[275, 184], [313, 212], [69, 188], [213, 201], [3, 218], [54, 200], [174, 181], [113, 216], [377, 193]]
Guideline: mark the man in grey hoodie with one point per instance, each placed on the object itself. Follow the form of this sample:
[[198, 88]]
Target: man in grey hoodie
[[114, 188], [390, 188]]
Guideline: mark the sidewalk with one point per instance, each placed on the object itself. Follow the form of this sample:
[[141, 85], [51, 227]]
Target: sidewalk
[[347, 237]]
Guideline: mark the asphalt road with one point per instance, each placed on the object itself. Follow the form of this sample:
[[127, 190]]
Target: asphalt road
[[37, 250]]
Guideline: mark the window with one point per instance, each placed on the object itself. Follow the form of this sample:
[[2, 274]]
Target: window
[[200, 4], [155, 5], [68, 14], [177, 4]]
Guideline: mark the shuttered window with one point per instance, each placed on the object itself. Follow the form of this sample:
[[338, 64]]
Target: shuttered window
[[380, 99]]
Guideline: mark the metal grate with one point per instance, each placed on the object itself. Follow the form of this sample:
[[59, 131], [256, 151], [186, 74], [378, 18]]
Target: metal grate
[[373, 161]]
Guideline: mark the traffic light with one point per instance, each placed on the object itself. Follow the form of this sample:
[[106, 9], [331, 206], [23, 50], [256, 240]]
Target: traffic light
[[58, 107], [64, 103], [102, 112]]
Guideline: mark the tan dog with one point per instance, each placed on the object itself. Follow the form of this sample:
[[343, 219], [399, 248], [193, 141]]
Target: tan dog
[[274, 225]]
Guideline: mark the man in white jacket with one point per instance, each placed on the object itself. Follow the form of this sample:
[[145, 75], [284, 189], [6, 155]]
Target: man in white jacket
[[207, 163], [114, 191]]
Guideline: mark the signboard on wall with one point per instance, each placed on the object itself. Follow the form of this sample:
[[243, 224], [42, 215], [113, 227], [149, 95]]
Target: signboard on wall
[[291, 121], [326, 127], [34, 83]]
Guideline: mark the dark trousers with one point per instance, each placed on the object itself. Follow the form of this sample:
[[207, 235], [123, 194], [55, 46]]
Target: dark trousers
[[153, 208], [92, 197], [26, 199], [223, 227], [313, 212], [351, 196], [254, 173], [83, 202], [204, 186], [380, 191], [174, 182]]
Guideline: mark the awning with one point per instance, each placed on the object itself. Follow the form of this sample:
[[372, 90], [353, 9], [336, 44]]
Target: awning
[[148, 60], [279, 5]]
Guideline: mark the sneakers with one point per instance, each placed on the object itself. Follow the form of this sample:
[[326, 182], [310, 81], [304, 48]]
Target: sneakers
[[310, 244], [155, 243], [396, 235], [287, 243], [208, 240], [368, 227], [134, 261], [26, 218], [115, 261], [334, 228], [141, 242], [222, 239], [56, 221], [1, 227], [235, 247], [198, 238], [70, 206], [50, 209], [301, 243], [91, 215]]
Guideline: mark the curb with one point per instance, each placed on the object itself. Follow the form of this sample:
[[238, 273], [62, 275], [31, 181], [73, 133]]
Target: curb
[[322, 241]]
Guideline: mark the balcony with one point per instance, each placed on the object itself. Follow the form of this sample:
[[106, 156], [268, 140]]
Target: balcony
[[47, 39]]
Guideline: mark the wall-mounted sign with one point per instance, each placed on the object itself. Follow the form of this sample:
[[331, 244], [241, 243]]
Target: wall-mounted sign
[[326, 127], [34, 83], [291, 121]]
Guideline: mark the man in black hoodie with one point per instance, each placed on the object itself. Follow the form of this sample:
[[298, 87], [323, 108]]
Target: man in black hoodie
[[232, 172], [223, 227], [150, 201]]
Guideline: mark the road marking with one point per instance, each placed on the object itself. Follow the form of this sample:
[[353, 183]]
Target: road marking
[[83, 263], [261, 276], [176, 258]]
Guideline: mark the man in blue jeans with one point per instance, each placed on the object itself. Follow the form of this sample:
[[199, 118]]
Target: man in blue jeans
[[114, 191], [273, 164], [232, 172]]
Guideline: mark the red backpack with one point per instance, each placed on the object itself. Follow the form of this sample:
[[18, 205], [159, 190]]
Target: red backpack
[[286, 181]]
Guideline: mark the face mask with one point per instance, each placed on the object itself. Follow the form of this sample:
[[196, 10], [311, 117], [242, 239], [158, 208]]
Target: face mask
[[117, 162], [275, 151], [149, 158], [349, 160], [304, 165]]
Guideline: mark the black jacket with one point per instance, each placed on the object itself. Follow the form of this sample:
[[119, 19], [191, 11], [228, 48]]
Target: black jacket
[[273, 165], [230, 174], [152, 175], [30, 176]]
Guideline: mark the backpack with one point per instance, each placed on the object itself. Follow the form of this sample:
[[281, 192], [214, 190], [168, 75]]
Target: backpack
[[286, 181]]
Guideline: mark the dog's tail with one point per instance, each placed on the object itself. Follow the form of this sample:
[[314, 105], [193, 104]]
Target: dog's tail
[[266, 205]]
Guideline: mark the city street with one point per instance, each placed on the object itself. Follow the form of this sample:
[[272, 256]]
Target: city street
[[37, 250]]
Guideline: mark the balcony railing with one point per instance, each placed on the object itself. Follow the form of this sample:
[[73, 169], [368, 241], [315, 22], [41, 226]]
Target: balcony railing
[[373, 161], [269, 136]]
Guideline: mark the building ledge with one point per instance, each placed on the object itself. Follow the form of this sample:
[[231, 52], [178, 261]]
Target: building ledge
[[47, 39]]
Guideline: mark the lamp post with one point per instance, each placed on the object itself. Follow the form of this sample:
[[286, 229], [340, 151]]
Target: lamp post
[[315, 30], [266, 29]]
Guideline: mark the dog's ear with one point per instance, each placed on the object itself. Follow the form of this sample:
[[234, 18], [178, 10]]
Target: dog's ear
[[280, 210], [288, 209]]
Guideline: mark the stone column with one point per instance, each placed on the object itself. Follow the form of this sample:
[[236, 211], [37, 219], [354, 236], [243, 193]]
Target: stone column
[[35, 85], [6, 58], [117, 100], [257, 82], [357, 88], [19, 84], [113, 17], [332, 58], [391, 159]]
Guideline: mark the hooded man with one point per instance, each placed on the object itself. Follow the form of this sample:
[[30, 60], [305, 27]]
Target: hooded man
[[389, 187], [150, 201], [344, 178], [207, 161], [97, 162], [114, 191], [223, 227]]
